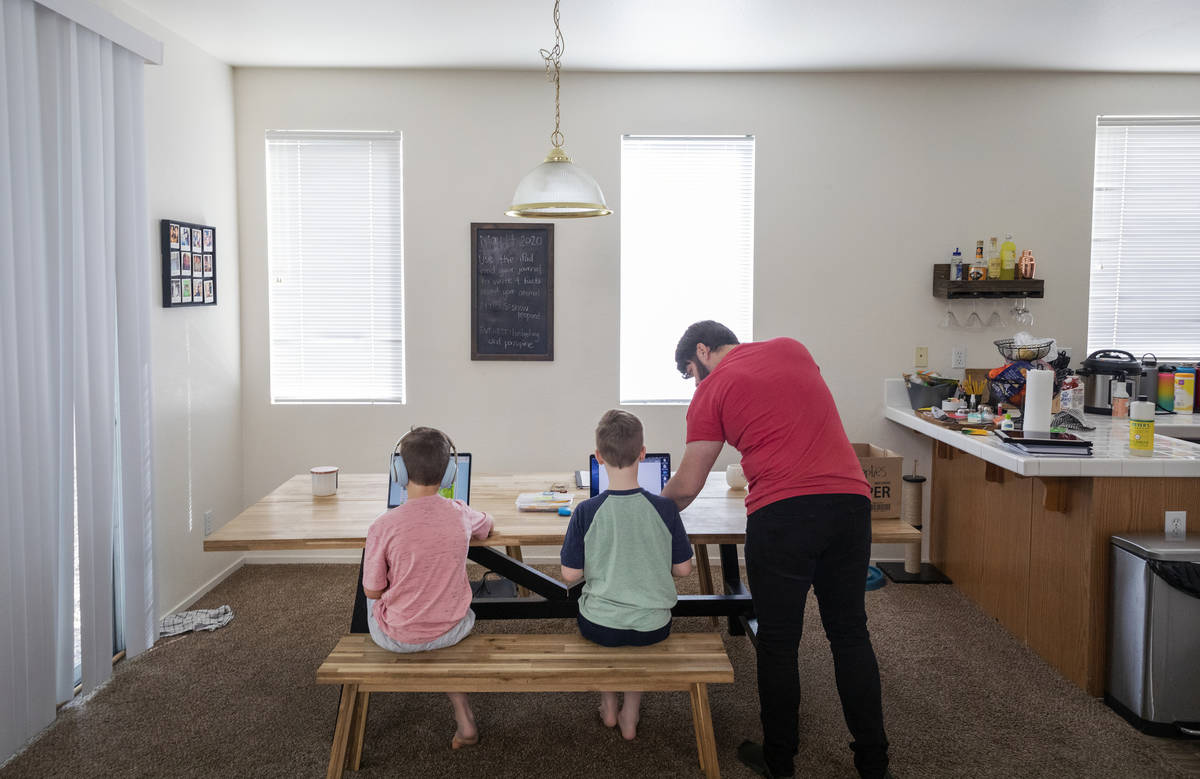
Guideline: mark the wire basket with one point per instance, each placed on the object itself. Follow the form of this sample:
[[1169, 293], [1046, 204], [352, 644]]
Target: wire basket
[[1035, 350]]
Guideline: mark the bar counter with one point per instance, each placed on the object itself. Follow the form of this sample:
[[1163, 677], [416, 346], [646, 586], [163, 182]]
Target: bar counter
[[1027, 537]]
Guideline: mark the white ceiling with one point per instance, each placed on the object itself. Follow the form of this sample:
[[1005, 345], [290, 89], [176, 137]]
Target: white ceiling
[[704, 35]]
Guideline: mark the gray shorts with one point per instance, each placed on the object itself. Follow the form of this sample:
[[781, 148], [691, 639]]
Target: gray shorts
[[449, 638]]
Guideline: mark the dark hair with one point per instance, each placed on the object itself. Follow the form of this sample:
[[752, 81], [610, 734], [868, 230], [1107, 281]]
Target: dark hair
[[426, 452], [619, 438], [712, 334]]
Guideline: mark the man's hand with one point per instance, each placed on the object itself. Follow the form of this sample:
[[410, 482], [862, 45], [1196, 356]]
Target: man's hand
[[698, 459]]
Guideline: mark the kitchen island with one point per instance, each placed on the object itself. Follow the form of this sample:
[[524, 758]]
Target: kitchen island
[[1027, 538]]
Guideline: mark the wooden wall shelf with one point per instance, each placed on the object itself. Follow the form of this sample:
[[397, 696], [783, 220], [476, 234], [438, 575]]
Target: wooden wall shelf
[[943, 287]]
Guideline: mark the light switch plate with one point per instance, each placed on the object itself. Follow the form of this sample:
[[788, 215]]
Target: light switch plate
[[1176, 524], [921, 357], [208, 528], [958, 357]]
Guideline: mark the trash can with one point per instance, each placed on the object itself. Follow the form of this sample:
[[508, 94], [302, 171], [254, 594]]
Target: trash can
[[1154, 634]]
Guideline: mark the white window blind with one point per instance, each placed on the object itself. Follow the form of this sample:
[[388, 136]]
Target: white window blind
[[1145, 271], [335, 250], [687, 252]]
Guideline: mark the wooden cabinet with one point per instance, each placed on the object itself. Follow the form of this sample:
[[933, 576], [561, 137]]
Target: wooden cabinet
[[1033, 552]]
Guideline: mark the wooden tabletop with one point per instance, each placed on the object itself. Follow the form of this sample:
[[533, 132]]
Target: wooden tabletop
[[290, 517]]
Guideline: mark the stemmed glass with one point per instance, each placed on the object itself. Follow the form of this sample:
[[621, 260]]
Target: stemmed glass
[[974, 321], [995, 320], [1021, 313], [949, 321]]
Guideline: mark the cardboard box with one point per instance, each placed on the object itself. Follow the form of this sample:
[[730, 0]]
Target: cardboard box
[[883, 469]]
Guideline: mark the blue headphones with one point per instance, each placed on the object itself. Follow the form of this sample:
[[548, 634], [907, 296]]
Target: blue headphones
[[400, 470]]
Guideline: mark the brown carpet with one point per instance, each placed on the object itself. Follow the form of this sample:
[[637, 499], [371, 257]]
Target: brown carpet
[[961, 697]]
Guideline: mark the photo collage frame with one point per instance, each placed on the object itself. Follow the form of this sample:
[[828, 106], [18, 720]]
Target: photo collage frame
[[189, 257]]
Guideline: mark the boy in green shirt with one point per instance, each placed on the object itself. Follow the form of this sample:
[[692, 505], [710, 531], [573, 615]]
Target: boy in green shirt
[[627, 544]]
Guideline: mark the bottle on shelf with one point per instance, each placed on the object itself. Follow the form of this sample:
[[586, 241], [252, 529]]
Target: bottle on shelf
[[1141, 427], [1008, 258], [957, 269], [978, 270], [1026, 265], [993, 260]]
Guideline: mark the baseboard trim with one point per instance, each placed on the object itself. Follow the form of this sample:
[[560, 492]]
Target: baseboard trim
[[204, 588], [330, 556]]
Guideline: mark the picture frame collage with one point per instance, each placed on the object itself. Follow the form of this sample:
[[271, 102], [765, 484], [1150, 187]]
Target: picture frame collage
[[189, 264]]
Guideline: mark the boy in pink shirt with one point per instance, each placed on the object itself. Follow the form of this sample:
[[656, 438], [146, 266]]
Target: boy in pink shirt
[[415, 566]]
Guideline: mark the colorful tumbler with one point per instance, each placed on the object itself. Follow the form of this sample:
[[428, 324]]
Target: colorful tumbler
[[1166, 388]]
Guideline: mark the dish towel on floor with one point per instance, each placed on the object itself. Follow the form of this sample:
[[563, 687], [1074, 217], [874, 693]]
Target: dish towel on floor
[[203, 619]]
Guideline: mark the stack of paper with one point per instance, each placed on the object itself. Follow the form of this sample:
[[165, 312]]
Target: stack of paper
[[544, 501]]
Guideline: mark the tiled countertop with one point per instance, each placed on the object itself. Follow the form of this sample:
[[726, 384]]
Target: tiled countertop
[[1110, 445]]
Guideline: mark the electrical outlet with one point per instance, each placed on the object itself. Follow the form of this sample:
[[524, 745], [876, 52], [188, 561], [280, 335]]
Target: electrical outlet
[[208, 523], [958, 357], [921, 357], [1176, 524]]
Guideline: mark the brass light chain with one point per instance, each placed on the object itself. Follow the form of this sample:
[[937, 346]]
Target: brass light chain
[[553, 59]]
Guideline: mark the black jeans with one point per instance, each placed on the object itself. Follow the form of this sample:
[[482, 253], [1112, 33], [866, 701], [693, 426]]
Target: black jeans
[[825, 541]]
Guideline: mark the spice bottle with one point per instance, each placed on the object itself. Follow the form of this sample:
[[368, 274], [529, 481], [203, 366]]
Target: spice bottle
[[1120, 397]]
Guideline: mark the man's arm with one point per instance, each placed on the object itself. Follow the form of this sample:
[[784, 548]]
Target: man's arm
[[571, 575], [698, 459], [373, 594]]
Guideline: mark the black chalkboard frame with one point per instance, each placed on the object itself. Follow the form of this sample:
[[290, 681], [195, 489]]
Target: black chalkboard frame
[[546, 229]]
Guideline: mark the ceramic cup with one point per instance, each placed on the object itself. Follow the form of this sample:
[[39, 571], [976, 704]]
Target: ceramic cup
[[735, 477], [324, 480]]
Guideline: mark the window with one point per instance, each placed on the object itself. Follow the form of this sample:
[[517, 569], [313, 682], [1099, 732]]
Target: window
[[687, 252], [1145, 282], [335, 251]]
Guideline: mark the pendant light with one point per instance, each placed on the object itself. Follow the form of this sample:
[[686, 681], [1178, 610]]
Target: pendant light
[[558, 188]]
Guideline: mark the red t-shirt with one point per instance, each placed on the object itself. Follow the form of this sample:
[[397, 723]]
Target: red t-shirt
[[769, 401]]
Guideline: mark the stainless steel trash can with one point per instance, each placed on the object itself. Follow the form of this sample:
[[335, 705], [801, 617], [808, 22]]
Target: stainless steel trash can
[[1154, 633]]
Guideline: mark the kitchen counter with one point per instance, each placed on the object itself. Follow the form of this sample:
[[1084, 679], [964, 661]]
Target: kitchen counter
[[1027, 537], [1172, 457]]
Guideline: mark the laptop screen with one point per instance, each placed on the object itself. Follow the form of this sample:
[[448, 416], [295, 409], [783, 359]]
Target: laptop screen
[[653, 473], [461, 488]]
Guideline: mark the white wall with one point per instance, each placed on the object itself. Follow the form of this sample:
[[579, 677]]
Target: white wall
[[196, 351], [863, 182]]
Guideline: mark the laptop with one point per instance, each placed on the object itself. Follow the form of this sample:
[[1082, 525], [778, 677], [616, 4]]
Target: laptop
[[461, 489], [653, 474]]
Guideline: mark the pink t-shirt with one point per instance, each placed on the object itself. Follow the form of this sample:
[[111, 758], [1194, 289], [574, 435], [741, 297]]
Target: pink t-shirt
[[768, 399], [417, 554]]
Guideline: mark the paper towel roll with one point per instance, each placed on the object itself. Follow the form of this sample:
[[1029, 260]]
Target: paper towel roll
[[1039, 392]]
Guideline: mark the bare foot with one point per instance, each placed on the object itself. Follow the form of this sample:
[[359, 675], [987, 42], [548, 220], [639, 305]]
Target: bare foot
[[628, 721], [460, 741], [608, 709]]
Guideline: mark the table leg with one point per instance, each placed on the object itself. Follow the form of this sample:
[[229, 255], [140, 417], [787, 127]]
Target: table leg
[[704, 571], [515, 553], [358, 619], [732, 575]]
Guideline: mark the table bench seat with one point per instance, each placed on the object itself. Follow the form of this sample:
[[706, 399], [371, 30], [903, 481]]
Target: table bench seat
[[523, 663]]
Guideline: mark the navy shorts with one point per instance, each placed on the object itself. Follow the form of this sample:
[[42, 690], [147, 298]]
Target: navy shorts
[[606, 636]]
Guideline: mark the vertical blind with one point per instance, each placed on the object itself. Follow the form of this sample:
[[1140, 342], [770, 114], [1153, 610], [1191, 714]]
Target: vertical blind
[[687, 252], [1145, 269], [335, 251]]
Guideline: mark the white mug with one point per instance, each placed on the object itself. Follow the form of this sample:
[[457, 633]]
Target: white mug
[[324, 480], [735, 477]]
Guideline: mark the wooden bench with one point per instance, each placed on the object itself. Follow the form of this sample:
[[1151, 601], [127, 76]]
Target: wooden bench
[[523, 663]]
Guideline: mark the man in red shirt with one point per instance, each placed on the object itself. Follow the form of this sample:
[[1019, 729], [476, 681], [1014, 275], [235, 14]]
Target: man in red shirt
[[808, 523]]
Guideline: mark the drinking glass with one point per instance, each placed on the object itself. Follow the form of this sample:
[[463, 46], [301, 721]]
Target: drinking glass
[[974, 321], [995, 320], [949, 321]]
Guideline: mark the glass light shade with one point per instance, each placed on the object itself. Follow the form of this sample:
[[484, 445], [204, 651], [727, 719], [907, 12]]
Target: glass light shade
[[558, 188]]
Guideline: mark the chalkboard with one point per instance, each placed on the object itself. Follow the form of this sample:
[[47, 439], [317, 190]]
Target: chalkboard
[[512, 291]]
